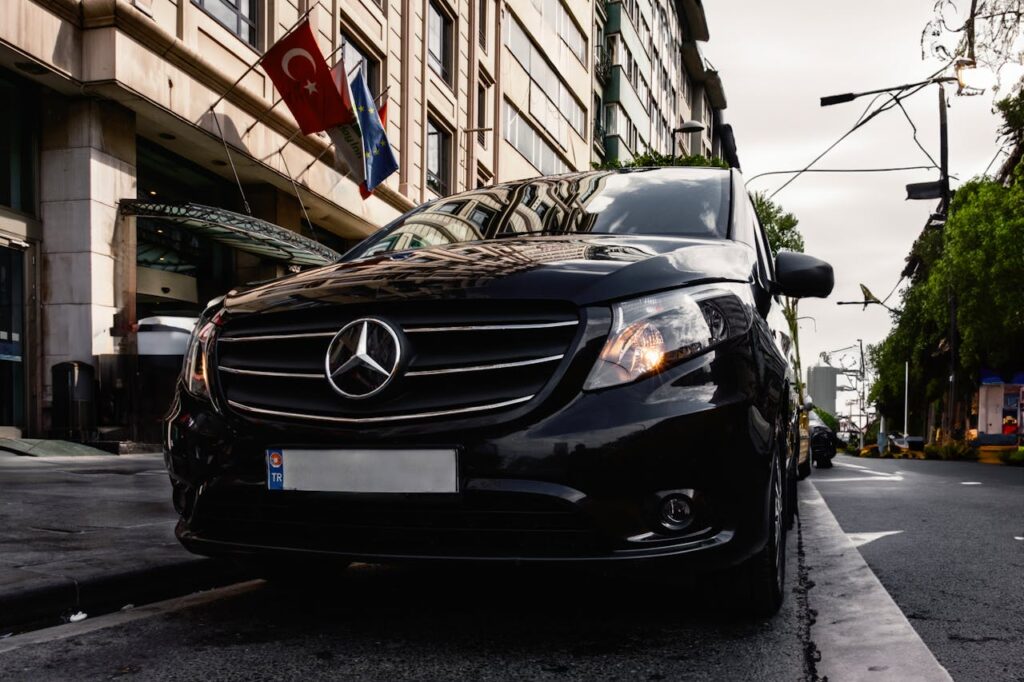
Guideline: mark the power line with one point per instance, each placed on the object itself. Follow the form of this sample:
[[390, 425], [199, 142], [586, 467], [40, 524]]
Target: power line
[[894, 100], [841, 170], [989, 166], [893, 290], [914, 128]]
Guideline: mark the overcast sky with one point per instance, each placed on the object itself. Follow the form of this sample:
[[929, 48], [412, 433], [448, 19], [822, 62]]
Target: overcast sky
[[776, 59]]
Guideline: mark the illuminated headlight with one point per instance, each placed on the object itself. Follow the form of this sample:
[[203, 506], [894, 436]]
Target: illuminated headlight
[[195, 369], [654, 332]]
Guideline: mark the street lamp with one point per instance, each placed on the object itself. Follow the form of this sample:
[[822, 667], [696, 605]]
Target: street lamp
[[687, 127], [931, 190], [919, 190]]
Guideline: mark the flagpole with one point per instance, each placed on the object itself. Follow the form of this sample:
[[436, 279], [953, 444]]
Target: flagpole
[[245, 202], [253, 66], [319, 156], [295, 185], [273, 106]]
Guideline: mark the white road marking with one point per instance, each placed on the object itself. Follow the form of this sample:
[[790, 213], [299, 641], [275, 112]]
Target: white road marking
[[860, 631], [852, 466], [970, 482], [879, 478], [1018, 537], [60, 632], [861, 539]]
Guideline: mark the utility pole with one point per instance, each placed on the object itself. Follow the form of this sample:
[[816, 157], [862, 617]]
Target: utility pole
[[906, 397], [862, 383], [944, 210]]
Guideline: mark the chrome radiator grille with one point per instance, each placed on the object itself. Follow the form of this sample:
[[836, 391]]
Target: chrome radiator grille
[[459, 359]]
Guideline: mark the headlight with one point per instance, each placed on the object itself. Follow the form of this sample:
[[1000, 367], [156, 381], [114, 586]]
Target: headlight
[[194, 371], [654, 332]]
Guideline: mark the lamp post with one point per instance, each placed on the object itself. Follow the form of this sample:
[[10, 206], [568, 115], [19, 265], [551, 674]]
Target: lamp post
[[687, 127], [930, 190]]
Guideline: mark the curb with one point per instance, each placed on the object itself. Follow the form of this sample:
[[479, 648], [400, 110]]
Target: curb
[[53, 600], [859, 630]]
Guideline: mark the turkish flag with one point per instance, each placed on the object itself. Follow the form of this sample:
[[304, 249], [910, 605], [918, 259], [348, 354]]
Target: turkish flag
[[302, 76]]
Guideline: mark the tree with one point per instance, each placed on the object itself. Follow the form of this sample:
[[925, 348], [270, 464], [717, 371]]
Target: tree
[[778, 224], [780, 227], [977, 259], [981, 264], [988, 35]]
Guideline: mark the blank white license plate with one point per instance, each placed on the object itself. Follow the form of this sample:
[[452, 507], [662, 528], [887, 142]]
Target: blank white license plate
[[363, 471]]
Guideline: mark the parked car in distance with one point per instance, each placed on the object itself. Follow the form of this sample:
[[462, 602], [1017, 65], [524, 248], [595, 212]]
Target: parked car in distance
[[581, 368], [822, 440]]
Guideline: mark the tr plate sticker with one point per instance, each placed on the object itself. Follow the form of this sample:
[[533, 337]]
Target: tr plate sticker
[[275, 470]]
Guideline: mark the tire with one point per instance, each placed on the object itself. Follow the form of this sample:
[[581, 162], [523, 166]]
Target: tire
[[803, 469], [823, 462], [764, 574], [756, 587]]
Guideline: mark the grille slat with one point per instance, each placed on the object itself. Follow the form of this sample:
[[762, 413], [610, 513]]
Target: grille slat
[[457, 360]]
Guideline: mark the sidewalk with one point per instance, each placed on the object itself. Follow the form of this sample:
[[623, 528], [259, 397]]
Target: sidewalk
[[89, 533]]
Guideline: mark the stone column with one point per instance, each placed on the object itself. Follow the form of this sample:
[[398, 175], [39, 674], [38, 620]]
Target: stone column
[[87, 163]]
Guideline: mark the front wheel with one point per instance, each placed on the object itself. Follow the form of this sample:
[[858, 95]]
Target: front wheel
[[756, 586], [803, 469]]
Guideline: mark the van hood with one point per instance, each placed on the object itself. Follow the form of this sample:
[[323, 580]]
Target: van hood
[[584, 269]]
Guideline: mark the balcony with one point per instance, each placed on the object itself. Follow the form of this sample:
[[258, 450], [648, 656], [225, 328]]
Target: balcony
[[599, 133], [602, 64]]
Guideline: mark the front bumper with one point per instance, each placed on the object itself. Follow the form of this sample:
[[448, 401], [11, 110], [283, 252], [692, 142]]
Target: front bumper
[[581, 482]]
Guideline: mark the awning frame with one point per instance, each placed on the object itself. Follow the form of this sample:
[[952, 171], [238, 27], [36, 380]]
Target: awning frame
[[241, 232]]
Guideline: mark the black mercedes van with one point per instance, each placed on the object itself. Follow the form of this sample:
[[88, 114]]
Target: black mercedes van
[[580, 368]]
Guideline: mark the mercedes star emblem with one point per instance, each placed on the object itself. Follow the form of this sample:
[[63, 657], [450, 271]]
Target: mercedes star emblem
[[362, 358]]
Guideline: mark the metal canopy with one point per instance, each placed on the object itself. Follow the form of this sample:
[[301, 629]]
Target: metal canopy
[[241, 232]]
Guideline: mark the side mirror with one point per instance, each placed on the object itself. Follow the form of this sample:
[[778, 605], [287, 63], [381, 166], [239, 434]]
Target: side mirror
[[802, 276]]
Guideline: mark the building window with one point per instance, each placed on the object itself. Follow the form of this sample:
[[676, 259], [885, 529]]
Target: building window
[[557, 16], [481, 115], [439, 158], [238, 16], [353, 55], [531, 144], [481, 23], [439, 42], [551, 102]]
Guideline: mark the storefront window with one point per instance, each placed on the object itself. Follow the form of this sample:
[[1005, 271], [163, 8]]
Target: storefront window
[[178, 271], [12, 340], [18, 140]]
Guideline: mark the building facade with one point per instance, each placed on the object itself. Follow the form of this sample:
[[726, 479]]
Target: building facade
[[822, 385], [107, 104], [651, 77]]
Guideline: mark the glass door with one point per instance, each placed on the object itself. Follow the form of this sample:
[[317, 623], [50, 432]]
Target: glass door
[[12, 337]]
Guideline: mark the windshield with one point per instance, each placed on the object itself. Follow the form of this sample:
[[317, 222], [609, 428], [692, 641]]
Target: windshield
[[686, 202]]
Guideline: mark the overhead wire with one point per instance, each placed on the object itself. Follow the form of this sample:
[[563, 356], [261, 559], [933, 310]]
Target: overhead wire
[[894, 100]]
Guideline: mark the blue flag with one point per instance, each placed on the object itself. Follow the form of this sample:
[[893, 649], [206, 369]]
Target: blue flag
[[378, 159]]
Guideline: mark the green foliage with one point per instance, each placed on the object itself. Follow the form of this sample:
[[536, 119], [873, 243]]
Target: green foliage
[[780, 228], [652, 159], [981, 265], [779, 225], [1012, 110], [954, 451], [1013, 457], [978, 259], [829, 419]]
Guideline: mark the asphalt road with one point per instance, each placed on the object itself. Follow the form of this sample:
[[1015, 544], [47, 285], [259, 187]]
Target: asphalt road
[[945, 539], [412, 623]]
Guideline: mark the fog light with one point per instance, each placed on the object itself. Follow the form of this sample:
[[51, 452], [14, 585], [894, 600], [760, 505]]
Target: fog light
[[676, 512]]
